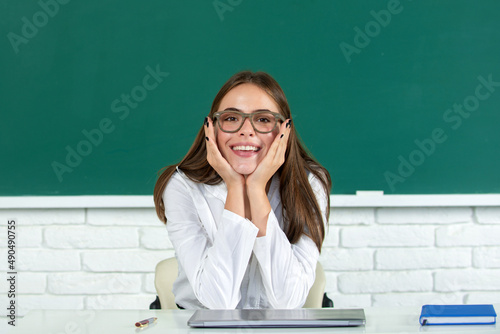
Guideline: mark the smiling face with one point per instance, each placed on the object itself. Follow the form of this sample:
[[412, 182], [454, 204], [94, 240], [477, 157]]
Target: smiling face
[[246, 148]]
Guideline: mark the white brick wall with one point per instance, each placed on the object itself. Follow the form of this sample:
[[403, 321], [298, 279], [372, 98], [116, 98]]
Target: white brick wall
[[105, 258], [85, 258], [413, 256]]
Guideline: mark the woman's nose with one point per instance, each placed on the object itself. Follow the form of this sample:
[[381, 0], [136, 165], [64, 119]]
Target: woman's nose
[[247, 128]]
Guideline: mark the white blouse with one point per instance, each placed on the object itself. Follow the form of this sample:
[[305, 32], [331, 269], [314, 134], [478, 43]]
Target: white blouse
[[222, 263]]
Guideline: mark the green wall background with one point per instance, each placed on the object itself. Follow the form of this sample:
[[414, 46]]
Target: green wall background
[[362, 101]]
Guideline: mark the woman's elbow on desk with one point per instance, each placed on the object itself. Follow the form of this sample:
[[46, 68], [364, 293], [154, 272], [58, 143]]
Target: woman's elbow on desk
[[289, 297], [218, 303], [217, 297]]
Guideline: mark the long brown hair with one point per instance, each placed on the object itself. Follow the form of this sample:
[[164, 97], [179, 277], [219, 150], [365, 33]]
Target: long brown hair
[[301, 210]]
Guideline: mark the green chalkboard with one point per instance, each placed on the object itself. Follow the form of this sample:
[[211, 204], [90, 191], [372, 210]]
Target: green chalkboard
[[401, 96]]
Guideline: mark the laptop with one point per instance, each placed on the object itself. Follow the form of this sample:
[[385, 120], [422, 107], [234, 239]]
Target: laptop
[[326, 317]]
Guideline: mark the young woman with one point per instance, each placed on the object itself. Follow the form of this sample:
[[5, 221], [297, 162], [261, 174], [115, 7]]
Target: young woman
[[246, 208]]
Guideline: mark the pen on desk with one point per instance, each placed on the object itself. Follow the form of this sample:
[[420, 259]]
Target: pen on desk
[[145, 322]]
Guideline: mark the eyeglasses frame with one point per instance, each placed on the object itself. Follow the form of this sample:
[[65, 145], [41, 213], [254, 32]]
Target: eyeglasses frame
[[277, 116]]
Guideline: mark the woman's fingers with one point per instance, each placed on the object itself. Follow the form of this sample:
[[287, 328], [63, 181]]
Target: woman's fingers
[[215, 158], [278, 148], [209, 129], [285, 134], [209, 132], [274, 158]]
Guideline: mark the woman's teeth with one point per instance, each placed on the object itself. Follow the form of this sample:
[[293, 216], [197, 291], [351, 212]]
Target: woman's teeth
[[245, 148]]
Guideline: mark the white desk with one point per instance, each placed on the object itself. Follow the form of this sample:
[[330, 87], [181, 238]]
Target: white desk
[[378, 320]]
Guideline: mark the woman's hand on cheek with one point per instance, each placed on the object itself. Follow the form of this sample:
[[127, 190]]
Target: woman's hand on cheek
[[273, 160], [217, 161]]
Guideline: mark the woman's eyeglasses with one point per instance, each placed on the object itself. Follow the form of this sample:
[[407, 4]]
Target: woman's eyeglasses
[[262, 121]]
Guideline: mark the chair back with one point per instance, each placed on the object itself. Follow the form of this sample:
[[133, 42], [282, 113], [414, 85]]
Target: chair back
[[165, 275], [315, 296], [167, 270]]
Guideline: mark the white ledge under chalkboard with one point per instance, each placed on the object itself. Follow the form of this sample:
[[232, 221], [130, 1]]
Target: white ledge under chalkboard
[[363, 199]]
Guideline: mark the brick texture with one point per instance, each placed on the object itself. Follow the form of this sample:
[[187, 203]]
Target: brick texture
[[488, 215], [155, 238], [468, 280], [121, 302], [486, 257], [35, 283], [412, 299], [331, 237], [422, 258], [122, 260], [352, 216], [373, 282], [94, 283], [423, 215], [81, 237], [347, 259], [105, 258], [387, 236], [44, 216], [48, 260], [468, 235], [134, 217]]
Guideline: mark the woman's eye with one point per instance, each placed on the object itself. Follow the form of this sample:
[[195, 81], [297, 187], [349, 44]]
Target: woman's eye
[[230, 118], [263, 120]]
